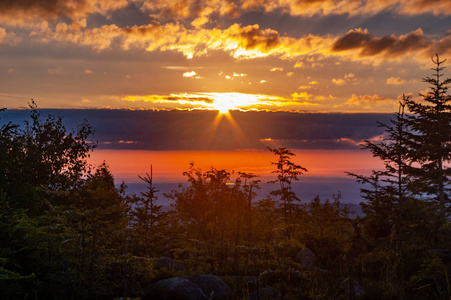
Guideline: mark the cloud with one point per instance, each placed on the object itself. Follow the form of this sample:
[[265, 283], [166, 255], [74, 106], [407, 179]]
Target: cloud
[[395, 81], [189, 74], [143, 128], [365, 99], [346, 78], [241, 42], [372, 102], [438, 7], [55, 70], [239, 74], [2, 34], [88, 71], [8, 38], [349, 7], [237, 101], [339, 81], [252, 42], [199, 13], [390, 46], [52, 9], [276, 69], [200, 10]]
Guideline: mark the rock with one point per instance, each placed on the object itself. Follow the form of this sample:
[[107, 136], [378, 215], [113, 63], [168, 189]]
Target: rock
[[175, 288], [306, 258], [267, 293], [213, 286], [170, 264], [359, 291]]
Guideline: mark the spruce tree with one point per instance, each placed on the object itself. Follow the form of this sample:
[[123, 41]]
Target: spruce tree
[[287, 172], [391, 189], [430, 136]]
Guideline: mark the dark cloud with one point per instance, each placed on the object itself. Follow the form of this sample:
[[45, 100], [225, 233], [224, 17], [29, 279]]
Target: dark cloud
[[42, 8], [195, 130], [391, 45], [52, 9], [252, 37]]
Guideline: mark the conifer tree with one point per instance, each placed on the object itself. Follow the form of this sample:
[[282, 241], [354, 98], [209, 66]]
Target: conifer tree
[[148, 212], [392, 188], [430, 135], [287, 172], [148, 215]]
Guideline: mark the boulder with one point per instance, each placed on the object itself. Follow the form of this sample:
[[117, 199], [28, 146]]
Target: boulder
[[359, 291], [306, 258], [170, 264], [212, 286], [175, 288]]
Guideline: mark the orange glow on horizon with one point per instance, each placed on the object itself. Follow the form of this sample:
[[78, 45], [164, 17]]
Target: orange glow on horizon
[[169, 165]]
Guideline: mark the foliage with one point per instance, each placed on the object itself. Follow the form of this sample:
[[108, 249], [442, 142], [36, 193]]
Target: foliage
[[68, 232], [407, 205]]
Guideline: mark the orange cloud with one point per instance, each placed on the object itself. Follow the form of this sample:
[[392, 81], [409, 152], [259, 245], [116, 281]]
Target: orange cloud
[[240, 101], [339, 81], [241, 42], [189, 74], [351, 7], [372, 103], [2, 34], [350, 77], [395, 81], [367, 99], [201, 12]]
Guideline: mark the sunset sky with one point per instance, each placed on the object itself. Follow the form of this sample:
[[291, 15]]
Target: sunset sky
[[310, 75], [321, 55]]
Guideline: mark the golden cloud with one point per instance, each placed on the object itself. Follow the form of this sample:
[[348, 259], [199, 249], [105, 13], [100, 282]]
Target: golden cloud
[[350, 7], [242, 42], [372, 102], [339, 81], [210, 101], [395, 81], [189, 74], [201, 12]]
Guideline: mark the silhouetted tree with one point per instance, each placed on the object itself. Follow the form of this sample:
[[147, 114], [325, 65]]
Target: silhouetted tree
[[392, 191], [147, 216], [43, 155], [430, 136], [287, 172]]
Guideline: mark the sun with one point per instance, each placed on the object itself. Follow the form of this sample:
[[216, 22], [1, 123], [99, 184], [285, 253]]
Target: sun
[[223, 106], [224, 102]]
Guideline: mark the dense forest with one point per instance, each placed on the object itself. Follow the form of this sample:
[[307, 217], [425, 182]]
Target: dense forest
[[68, 232]]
